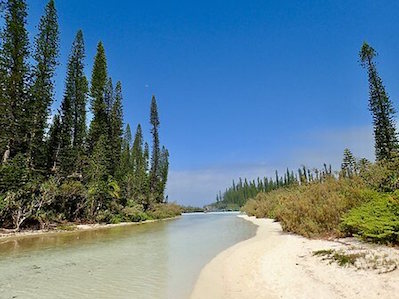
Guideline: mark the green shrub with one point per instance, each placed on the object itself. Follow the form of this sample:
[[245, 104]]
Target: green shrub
[[72, 199], [312, 210], [265, 204], [377, 220], [104, 216], [115, 219], [382, 176], [162, 211], [134, 214]]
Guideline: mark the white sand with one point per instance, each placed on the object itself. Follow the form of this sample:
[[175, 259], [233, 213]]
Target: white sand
[[274, 264]]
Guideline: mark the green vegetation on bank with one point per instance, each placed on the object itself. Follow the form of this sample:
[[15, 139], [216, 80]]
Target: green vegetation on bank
[[361, 199], [191, 209], [67, 171]]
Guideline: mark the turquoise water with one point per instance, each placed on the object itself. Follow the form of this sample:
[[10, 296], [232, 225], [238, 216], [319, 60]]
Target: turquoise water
[[154, 260]]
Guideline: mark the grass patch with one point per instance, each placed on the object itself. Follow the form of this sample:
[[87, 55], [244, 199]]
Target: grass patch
[[340, 257], [343, 259], [323, 252]]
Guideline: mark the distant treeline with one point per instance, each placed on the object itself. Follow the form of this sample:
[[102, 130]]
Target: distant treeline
[[238, 194]]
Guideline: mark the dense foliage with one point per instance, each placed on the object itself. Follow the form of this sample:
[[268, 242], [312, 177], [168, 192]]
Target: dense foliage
[[67, 171], [376, 220]]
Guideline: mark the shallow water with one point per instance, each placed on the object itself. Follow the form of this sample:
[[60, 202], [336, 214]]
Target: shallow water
[[154, 260]]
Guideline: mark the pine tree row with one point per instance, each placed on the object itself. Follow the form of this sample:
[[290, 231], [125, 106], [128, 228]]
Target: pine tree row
[[88, 171]]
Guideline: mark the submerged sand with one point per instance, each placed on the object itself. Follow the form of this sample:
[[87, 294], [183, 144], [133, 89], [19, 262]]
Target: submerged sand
[[274, 264], [73, 228]]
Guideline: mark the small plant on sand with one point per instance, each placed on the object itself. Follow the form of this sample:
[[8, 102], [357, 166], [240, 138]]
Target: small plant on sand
[[340, 257]]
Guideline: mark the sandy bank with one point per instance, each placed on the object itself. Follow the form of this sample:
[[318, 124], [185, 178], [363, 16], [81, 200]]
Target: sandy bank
[[74, 228], [274, 264]]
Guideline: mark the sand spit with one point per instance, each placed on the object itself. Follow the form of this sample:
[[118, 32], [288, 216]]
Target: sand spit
[[274, 264]]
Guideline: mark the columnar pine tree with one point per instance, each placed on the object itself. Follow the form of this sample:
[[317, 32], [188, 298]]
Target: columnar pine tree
[[163, 170], [73, 110], [15, 121], [125, 161], [137, 149], [77, 89], [156, 152], [140, 179], [381, 107], [45, 55], [147, 175], [99, 124], [116, 127]]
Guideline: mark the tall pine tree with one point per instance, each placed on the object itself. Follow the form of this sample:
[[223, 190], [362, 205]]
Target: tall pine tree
[[156, 152], [116, 128], [163, 171], [140, 178], [77, 88], [386, 141], [99, 124], [45, 55], [73, 110], [15, 121], [125, 161]]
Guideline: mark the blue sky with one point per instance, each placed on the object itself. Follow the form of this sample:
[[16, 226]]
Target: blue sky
[[243, 87]]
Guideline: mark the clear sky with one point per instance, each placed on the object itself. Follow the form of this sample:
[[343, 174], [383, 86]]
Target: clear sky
[[243, 87]]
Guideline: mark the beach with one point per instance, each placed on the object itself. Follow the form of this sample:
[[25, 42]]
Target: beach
[[275, 264]]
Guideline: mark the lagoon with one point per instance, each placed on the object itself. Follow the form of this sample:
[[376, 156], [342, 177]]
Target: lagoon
[[154, 260]]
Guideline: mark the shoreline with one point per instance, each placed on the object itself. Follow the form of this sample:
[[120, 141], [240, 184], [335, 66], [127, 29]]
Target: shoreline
[[75, 228], [275, 264]]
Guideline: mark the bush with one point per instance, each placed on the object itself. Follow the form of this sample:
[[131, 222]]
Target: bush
[[115, 219], [134, 214], [377, 220], [72, 199], [162, 211], [312, 210], [316, 209], [382, 176], [104, 216], [265, 204]]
